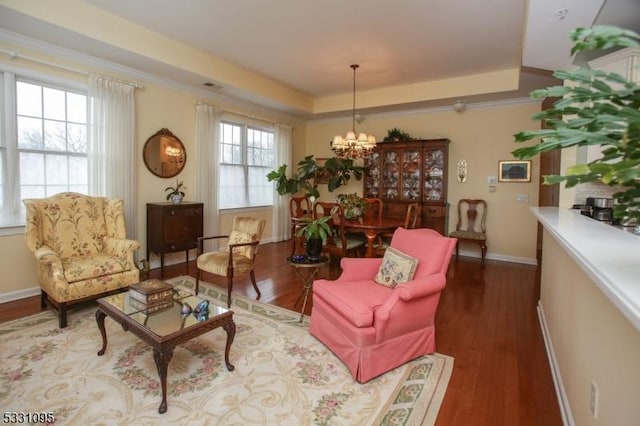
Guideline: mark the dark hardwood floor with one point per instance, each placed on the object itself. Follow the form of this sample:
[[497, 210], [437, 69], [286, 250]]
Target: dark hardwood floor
[[487, 321]]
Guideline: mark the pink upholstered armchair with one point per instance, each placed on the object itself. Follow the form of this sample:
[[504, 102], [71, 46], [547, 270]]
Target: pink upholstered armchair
[[373, 328]]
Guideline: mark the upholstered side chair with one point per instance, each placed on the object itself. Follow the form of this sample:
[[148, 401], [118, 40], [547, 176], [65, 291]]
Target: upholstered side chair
[[372, 327], [81, 248], [237, 258]]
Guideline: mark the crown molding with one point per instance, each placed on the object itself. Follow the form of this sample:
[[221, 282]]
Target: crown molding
[[93, 62], [433, 110]]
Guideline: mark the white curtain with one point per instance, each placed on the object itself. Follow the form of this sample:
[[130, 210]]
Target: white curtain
[[112, 149], [207, 135], [281, 222]]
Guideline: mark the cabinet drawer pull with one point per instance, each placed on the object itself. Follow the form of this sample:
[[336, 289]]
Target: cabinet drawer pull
[[173, 212]]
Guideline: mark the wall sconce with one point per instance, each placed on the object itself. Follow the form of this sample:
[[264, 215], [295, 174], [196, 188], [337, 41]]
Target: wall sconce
[[461, 171], [458, 106]]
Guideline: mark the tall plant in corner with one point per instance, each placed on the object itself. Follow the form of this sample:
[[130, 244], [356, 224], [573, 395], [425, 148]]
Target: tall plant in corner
[[596, 108], [335, 172]]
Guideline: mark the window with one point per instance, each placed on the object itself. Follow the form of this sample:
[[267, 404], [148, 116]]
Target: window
[[246, 157], [44, 148]]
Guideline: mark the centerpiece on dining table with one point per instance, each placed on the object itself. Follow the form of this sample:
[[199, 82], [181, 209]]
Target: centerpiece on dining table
[[353, 205]]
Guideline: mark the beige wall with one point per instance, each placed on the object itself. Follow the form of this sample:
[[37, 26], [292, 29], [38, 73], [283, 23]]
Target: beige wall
[[156, 107], [591, 340], [482, 137]]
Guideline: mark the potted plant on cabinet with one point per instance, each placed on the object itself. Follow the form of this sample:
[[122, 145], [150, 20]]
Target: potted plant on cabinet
[[316, 232], [596, 108], [175, 194]]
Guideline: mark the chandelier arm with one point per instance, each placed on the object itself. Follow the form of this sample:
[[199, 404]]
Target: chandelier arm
[[353, 122]]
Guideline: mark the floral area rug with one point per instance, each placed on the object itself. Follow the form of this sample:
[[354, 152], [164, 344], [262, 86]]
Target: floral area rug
[[283, 375]]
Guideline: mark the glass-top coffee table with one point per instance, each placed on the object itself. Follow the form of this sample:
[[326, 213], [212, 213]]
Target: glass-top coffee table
[[165, 328]]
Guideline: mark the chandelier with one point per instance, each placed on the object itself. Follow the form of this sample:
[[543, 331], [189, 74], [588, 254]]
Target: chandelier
[[351, 146]]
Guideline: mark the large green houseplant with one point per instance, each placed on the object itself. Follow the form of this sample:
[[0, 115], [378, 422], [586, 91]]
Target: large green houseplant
[[596, 108], [335, 172]]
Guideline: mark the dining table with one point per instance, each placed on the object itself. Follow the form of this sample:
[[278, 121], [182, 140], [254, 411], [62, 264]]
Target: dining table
[[371, 227]]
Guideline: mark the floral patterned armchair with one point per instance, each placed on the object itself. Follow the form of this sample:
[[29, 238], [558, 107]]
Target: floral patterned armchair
[[80, 247]]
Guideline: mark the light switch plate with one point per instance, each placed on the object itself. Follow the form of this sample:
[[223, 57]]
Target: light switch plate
[[492, 180]]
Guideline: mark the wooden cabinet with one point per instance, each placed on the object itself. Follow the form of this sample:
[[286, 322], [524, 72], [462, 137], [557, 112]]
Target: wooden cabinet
[[403, 172], [173, 227]]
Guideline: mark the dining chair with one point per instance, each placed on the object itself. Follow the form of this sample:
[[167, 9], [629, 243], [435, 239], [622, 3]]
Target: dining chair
[[469, 228], [338, 244], [299, 207], [373, 209], [410, 221]]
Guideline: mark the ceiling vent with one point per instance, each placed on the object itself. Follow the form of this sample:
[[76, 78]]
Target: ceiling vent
[[211, 85]]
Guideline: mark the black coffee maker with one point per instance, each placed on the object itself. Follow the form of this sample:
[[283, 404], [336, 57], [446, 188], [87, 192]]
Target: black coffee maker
[[601, 208]]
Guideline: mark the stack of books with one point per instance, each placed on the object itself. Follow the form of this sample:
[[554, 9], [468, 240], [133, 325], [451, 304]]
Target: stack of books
[[151, 295]]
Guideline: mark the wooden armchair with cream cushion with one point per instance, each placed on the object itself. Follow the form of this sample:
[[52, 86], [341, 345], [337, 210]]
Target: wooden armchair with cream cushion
[[237, 258], [80, 247]]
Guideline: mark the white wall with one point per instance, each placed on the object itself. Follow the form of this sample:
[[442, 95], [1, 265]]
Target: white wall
[[592, 341]]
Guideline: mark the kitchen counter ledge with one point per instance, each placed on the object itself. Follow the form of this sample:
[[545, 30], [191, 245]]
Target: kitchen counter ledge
[[610, 256]]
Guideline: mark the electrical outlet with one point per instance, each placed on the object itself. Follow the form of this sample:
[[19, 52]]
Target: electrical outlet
[[594, 400], [522, 198]]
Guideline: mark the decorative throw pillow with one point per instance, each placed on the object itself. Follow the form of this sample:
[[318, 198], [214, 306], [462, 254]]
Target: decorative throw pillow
[[396, 268], [241, 237]]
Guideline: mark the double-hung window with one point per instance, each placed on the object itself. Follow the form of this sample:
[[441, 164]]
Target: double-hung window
[[44, 143], [246, 157]]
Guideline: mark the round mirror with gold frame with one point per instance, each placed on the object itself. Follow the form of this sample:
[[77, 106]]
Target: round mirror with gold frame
[[164, 154]]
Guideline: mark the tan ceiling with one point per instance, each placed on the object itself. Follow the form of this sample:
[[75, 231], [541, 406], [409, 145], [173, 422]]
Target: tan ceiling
[[308, 46]]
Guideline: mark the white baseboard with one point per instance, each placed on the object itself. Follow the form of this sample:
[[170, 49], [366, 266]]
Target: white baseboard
[[563, 400], [501, 257], [19, 294]]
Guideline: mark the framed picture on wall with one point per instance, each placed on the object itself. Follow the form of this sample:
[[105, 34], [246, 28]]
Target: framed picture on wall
[[514, 171]]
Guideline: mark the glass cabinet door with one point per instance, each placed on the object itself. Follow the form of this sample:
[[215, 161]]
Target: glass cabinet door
[[390, 175], [372, 177], [411, 174], [434, 175]]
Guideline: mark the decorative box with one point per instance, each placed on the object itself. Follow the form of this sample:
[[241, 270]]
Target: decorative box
[[151, 292]]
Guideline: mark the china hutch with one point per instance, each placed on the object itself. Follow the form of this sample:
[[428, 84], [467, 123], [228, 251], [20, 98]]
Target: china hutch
[[400, 173]]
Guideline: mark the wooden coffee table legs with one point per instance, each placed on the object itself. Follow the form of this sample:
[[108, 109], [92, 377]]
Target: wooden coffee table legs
[[230, 328], [163, 351], [100, 316], [162, 359]]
